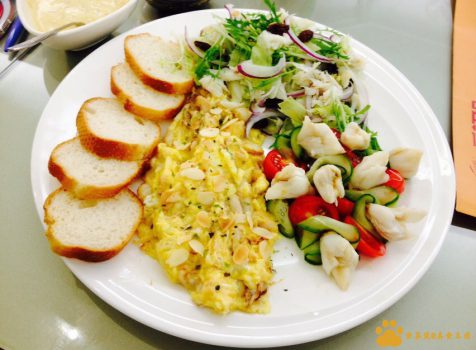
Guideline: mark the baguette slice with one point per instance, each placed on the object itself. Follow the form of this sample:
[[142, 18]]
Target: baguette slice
[[87, 175], [141, 99], [108, 130], [154, 60], [91, 230]]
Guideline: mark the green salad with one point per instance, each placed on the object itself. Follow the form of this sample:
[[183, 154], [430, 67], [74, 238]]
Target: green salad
[[332, 187]]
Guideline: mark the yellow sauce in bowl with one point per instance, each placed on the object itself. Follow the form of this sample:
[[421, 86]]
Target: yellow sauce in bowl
[[50, 14]]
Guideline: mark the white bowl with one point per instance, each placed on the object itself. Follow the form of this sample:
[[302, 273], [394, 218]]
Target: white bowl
[[79, 37]]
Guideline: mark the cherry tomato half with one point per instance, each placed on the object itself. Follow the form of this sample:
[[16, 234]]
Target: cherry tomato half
[[306, 206], [273, 163], [345, 207], [396, 181], [354, 158], [368, 244]]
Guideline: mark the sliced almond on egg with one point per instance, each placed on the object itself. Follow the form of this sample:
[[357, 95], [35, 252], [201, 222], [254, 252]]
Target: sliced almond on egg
[[249, 218], [193, 174], [205, 197], [216, 111], [228, 124], [219, 183], [170, 196], [183, 239], [240, 256], [196, 246], [173, 198], [240, 218], [203, 103], [177, 257], [235, 204], [265, 249], [242, 113], [203, 219], [181, 146], [188, 164], [166, 175], [226, 223], [267, 222], [252, 148], [209, 132], [144, 190], [262, 232]]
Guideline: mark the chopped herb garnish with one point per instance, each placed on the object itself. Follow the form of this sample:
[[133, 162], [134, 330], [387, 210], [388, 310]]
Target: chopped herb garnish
[[329, 48], [212, 56], [272, 8]]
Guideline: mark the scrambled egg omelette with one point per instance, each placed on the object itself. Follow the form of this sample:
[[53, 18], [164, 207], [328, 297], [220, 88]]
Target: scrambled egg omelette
[[205, 216]]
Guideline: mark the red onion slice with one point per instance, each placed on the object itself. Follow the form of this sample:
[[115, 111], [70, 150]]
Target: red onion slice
[[334, 38], [258, 117], [251, 70], [192, 46], [197, 51], [303, 46], [266, 96], [229, 8], [297, 93], [322, 36], [258, 107], [261, 103], [347, 93]]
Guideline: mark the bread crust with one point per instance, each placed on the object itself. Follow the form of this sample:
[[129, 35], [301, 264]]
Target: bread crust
[[158, 84], [82, 252], [108, 148], [80, 190], [140, 110]]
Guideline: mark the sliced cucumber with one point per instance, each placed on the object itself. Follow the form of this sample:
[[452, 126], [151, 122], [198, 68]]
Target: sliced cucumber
[[296, 147], [313, 259], [305, 238], [312, 253], [287, 127], [359, 215], [384, 195], [283, 145], [279, 209], [282, 142], [273, 125], [319, 224], [340, 161]]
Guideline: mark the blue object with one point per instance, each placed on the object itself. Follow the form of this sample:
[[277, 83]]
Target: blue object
[[14, 34]]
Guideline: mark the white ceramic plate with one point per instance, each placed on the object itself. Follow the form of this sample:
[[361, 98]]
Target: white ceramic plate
[[306, 305]]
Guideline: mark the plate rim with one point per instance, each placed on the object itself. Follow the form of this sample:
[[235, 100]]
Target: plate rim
[[287, 339]]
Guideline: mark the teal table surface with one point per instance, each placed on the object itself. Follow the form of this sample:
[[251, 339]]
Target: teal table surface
[[43, 306]]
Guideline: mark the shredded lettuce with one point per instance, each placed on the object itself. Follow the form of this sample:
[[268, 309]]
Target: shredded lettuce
[[294, 110], [261, 56], [237, 56]]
